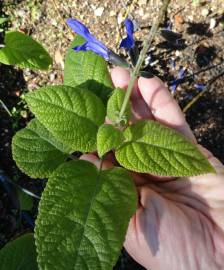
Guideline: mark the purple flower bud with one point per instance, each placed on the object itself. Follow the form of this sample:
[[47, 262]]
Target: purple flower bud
[[199, 86], [128, 42], [174, 85], [91, 44], [176, 82], [181, 73]]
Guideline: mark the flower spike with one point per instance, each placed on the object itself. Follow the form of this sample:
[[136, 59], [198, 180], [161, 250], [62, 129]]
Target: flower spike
[[128, 42], [94, 45], [91, 44]]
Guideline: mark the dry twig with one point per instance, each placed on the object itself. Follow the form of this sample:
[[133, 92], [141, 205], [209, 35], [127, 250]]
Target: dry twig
[[207, 87]]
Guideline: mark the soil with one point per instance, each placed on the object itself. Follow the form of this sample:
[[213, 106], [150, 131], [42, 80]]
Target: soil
[[195, 47]]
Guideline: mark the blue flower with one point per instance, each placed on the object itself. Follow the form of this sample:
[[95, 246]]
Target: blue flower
[[199, 86], [176, 82], [128, 42], [91, 44]]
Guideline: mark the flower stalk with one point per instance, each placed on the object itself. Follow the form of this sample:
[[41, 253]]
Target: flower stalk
[[146, 45]]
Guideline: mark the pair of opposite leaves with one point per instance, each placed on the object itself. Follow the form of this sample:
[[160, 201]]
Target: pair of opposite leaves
[[72, 119], [83, 211]]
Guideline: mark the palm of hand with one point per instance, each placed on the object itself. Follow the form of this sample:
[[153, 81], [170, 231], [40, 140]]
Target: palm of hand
[[179, 224]]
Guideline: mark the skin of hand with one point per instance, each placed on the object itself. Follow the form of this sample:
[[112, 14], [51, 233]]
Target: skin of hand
[[179, 223]]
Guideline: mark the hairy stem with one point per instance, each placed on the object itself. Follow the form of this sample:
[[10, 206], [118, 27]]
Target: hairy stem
[[5, 108], [146, 45]]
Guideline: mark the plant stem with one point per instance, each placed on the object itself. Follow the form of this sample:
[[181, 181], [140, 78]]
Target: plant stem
[[5, 108], [146, 45]]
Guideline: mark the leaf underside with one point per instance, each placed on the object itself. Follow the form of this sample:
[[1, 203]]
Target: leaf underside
[[83, 217], [153, 148]]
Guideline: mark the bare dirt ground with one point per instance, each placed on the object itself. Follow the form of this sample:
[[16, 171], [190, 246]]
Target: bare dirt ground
[[196, 52]]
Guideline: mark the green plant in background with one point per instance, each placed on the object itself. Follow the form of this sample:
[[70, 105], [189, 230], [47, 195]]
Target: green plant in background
[[84, 211], [23, 51], [3, 20], [19, 254], [195, 2]]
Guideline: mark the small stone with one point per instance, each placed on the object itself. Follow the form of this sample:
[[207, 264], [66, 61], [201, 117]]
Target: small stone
[[59, 59], [119, 18], [21, 13], [212, 23], [24, 114], [17, 93], [177, 53], [142, 2], [205, 12], [190, 18], [52, 77], [112, 13], [99, 11], [145, 16], [141, 12], [54, 22], [93, 7], [178, 19]]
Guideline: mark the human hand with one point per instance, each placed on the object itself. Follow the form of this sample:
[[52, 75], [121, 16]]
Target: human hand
[[179, 223]]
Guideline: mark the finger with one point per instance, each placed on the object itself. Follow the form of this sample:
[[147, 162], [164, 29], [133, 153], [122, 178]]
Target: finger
[[138, 179], [216, 164], [96, 161], [107, 164], [120, 78], [162, 105]]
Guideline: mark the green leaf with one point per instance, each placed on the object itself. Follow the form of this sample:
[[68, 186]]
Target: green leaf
[[19, 254], [114, 106], [23, 51], [83, 217], [108, 138], [36, 151], [153, 148], [3, 20], [88, 69], [71, 115], [26, 201]]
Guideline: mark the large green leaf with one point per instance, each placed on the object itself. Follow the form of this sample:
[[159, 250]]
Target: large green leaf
[[19, 254], [83, 217], [88, 69], [36, 151], [114, 106], [23, 51], [153, 148], [108, 138], [71, 115]]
